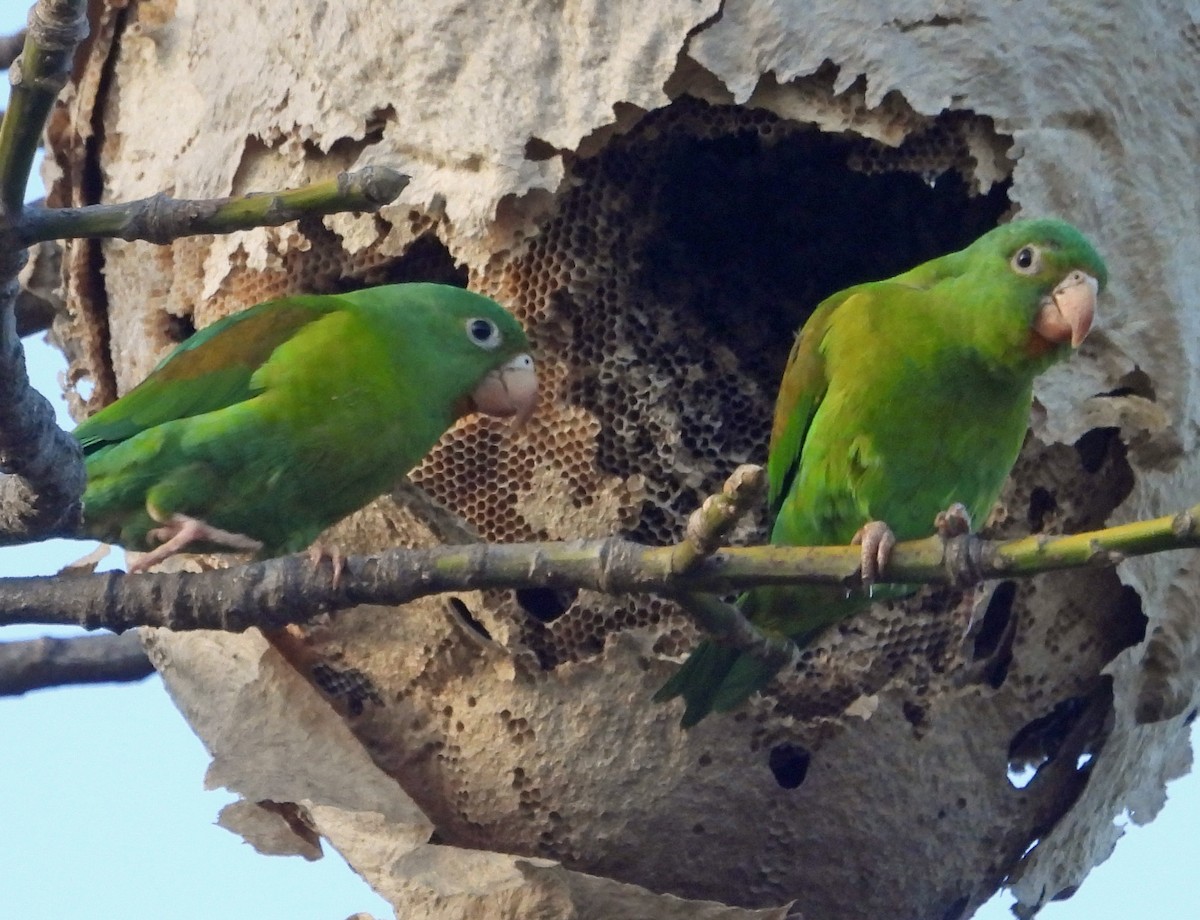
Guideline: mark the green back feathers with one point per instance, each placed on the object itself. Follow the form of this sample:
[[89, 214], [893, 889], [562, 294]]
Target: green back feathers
[[277, 421]]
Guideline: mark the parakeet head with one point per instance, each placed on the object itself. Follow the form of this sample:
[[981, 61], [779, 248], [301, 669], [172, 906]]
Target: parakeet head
[[465, 342], [1025, 292]]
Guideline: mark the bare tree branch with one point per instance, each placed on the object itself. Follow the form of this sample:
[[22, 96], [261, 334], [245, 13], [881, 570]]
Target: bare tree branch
[[161, 219], [36, 664], [44, 465], [56, 27]]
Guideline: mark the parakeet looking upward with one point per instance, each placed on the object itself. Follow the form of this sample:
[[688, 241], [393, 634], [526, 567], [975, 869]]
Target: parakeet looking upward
[[268, 426], [902, 398]]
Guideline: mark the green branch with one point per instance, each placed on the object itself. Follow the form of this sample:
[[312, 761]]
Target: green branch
[[161, 219], [56, 27], [291, 590]]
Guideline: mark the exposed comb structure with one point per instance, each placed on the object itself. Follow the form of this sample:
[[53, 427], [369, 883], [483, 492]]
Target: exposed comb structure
[[661, 249]]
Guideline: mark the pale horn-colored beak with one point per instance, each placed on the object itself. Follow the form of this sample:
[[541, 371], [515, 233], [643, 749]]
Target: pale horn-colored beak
[[1067, 314], [511, 390]]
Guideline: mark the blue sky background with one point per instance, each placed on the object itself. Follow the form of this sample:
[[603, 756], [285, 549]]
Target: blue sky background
[[103, 812]]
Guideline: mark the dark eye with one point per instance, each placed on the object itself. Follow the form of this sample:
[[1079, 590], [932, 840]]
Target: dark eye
[[483, 332], [1027, 261]]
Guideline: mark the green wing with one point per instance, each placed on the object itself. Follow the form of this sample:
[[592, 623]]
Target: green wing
[[210, 371], [800, 393]]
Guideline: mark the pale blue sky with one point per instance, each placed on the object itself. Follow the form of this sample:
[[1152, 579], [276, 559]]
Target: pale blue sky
[[103, 812]]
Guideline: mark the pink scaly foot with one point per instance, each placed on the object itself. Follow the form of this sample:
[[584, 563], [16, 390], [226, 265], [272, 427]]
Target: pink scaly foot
[[319, 552], [877, 540], [179, 530]]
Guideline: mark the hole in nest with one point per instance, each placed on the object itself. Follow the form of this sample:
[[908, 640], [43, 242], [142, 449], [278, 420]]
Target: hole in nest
[[537, 149], [1041, 504], [426, 259], [994, 639], [1131, 615], [712, 224], [771, 226], [914, 713], [956, 908], [1136, 383], [178, 328], [468, 618], [1082, 722], [545, 604], [1093, 447], [789, 764], [1037, 742]]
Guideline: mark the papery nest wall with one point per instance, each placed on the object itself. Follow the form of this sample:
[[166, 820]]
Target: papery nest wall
[[661, 247]]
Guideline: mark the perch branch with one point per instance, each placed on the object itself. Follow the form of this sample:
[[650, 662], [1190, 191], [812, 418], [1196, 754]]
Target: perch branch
[[36, 664], [161, 219], [288, 590], [43, 464], [56, 27]]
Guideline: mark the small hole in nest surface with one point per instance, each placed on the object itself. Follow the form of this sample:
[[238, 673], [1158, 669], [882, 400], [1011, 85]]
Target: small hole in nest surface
[[178, 328], [537, 149], [914, 713], [994, 638], [1093, 447], [1065, 893], [956, 908], [464, 613], [789, 764], [1041, 504], [545, 604]]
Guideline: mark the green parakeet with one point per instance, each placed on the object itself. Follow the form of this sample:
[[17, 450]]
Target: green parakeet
[[263, 429], [902, 398]]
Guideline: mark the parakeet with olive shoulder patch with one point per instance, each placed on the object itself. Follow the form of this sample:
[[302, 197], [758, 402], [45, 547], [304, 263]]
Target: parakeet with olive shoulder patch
[[902, 398], [263, 429]]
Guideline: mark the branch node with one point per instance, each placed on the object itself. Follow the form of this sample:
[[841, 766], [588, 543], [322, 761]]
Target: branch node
[[1183, 524], [709, 524], [963, 558]]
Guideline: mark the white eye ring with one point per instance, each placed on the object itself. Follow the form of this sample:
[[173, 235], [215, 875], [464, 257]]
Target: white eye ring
[[484, 333], [1027, 260]]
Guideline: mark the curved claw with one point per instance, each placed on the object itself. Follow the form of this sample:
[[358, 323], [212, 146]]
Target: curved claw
[[179, 531], [955, 521], [318, 553], [877, 541]]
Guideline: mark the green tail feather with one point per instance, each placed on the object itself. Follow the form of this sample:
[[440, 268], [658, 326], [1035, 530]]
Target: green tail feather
[[714, 678]]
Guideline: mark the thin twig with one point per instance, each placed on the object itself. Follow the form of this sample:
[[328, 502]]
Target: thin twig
[[56, 27], [161, 219], [711, 522]]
